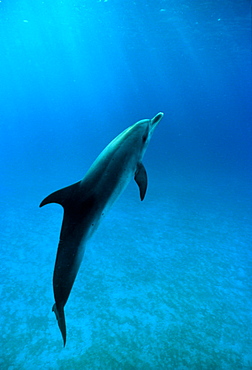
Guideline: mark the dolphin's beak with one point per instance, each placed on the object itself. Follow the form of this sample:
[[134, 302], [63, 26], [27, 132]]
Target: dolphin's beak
[[155, 120]]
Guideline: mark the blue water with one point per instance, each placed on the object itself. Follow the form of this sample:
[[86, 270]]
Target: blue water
[[165, 283]]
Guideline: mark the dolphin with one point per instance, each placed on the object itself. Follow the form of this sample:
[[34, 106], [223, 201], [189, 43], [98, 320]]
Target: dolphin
[[86, 202]]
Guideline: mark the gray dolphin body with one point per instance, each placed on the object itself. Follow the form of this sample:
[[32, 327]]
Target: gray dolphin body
[[86, 201]]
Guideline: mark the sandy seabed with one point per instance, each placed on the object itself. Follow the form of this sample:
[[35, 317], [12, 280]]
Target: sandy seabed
[[164, 283]]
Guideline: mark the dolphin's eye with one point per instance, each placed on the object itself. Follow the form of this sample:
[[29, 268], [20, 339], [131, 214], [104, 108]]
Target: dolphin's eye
[[144, 138]]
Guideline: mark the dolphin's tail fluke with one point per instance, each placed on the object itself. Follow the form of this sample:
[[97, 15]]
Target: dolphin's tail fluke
[[60, 316]]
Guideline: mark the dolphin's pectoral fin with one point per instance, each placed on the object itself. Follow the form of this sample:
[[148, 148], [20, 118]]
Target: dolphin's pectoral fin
[[141, 179], [62, 196], [60, 316]]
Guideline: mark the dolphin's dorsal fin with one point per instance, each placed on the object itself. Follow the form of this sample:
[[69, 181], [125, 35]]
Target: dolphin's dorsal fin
[[141, 179], [63, 196]]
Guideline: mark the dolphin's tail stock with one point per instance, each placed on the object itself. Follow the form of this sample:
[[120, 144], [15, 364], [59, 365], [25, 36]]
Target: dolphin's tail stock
[[60, 316]]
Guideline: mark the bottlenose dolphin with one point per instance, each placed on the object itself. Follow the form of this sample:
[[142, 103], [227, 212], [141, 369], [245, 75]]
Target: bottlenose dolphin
[[86, 201]]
